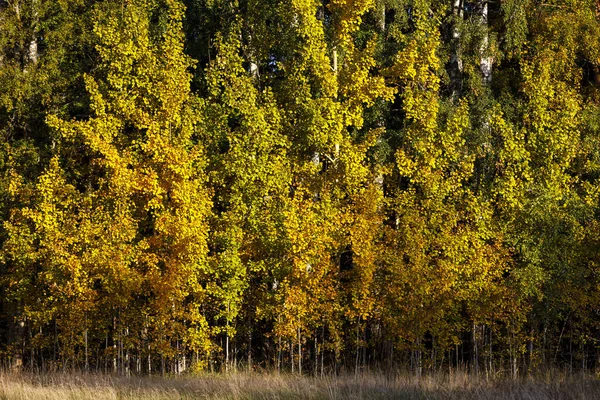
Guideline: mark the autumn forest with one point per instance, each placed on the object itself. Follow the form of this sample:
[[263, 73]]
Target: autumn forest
[[307, 186]]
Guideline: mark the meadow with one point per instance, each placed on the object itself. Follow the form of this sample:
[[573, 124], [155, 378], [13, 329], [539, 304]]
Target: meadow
[[458, 385]]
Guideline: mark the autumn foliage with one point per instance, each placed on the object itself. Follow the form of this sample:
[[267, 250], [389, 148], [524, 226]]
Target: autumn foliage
[[301, 185]]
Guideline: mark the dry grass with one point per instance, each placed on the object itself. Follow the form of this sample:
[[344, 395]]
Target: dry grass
[[272, 386]]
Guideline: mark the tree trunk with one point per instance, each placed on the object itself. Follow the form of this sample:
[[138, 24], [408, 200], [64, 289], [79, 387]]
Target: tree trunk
[[16, 337], [475, 350], [357, 351], [456, 63], [227, 349], [316, 368], [299, 352], [85, 337], [486, 60], [250, 349], [382, 19], [335, 59], [279, 354], [33, 43], [322, 349]]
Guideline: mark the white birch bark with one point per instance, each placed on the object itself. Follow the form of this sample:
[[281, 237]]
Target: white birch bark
[[33, 51], [382, 19], [486, 60], [33, 43], [456, 62]]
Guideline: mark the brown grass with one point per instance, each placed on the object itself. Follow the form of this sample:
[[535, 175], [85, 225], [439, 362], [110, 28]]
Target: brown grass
[[273, 386]]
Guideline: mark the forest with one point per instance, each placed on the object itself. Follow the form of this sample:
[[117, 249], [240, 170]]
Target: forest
[[306, 186]]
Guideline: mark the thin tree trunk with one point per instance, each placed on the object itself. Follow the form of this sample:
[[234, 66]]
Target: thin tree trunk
[[486, 60], [316, 368], [235, 354], [530, 351], [544, 343], [250, 349], [456, 63], [335, 59], [364, 347], [127, 363], [583, 365], [456, 356], [114, 345], [279, 355], [87, 364], [433, 354], [322, 350], [357, 351], [418, 361], [41, 352], [227, 349], [299, 352], [391, 361], [16, 334], [570, 349], [55, 347], [32, 363], [475, 357], [33, 45]]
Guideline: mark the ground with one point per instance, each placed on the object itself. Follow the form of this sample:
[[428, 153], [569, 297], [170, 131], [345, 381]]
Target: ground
[[279, 386]]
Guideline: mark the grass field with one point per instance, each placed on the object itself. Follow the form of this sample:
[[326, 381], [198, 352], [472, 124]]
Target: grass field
[[273, 386]]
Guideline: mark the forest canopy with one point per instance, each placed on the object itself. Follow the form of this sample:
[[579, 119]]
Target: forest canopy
[[301, 185]]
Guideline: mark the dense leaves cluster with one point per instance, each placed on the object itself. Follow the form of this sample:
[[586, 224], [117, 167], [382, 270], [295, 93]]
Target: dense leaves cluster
[[307, 185]]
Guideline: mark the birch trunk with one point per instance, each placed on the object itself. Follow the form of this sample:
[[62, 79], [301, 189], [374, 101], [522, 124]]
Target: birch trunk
[[33, 43], [16, 337], [486, 60], [299, 352], [382, 19], [335, 59], [456, 64]]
